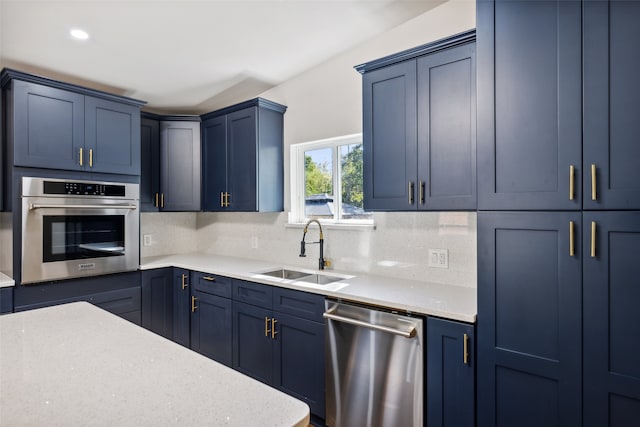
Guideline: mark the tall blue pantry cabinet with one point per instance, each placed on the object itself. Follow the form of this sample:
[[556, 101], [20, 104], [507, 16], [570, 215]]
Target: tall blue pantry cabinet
[[557, 164]]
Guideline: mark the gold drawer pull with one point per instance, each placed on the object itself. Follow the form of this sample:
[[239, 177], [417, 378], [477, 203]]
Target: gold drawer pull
[[465, 350], [594, 195], [208, 278], [593, 239], [572, 248], [572, 181]]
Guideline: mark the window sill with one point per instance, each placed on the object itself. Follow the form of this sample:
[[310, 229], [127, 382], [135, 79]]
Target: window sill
[[335, 226]]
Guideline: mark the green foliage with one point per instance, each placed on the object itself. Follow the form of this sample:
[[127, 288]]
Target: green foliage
[[352, 192], [317, 178]]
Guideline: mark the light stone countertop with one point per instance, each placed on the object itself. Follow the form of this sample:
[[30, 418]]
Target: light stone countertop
[[78, 365], [6, 281], [436, 299]]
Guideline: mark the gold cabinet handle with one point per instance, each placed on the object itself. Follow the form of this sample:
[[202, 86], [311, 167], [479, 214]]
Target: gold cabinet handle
[[208, 278], [421, 191], [193, 304], [572, 248], [226, 199], [465, 349], [410, 192], [184, 283], [81, 157], [157, 205], [266, 326], [572, 181], [90, 157], [162, 200], [222, 199], [273, 328], [593, 239], [594, 195]]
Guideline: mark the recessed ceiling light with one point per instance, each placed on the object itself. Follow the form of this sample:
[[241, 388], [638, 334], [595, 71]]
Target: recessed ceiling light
[[79, 34]]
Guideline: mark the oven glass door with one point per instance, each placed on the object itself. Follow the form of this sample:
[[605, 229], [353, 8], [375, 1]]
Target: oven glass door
[[76, 237]]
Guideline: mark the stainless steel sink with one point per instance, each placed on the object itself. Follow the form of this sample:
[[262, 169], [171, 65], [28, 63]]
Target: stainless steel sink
[[302, 276], [283, 273]]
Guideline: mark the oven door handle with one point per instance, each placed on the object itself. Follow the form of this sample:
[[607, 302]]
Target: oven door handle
[[33, 206]]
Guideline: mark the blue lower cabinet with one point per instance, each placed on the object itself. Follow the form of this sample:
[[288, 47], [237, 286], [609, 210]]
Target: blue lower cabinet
[[253, 341], [181, 306], [157, 301], [450, 373], [298, 368], [611, 328], [529, 319], [211, 329], [6, 300], [278, 348]]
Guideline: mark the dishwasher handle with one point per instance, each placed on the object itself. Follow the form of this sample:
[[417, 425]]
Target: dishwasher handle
[[409, 333]]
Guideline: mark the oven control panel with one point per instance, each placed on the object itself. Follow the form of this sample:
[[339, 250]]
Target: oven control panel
[[83, 188]]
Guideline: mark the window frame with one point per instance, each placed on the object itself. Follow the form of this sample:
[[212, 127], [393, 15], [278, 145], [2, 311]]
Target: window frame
[[297, 171]]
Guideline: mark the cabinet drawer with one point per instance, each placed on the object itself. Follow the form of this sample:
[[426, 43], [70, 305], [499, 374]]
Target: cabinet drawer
[[253, 293], [298, 303], [211, 284]]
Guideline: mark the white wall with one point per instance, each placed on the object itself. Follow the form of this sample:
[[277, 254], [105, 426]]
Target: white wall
[[325, 102]]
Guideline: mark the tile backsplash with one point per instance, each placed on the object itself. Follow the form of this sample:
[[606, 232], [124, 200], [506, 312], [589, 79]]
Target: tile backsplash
[[398, 247]]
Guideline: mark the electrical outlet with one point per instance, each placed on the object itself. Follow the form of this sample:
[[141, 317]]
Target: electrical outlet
[[254, 242], [439, 258], [146, 240]]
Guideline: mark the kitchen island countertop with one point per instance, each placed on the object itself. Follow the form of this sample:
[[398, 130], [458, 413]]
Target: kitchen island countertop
[[436, 299], [6, 281], [76, 365]]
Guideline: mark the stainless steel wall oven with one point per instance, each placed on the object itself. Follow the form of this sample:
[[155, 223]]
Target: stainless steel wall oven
[[78, 228]]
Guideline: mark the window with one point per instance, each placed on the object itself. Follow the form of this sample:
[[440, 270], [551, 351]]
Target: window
[[326, 181]]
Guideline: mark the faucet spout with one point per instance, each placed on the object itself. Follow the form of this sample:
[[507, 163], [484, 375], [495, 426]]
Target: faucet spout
[[321, 261]]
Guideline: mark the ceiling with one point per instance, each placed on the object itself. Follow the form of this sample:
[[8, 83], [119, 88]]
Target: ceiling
[[189, 56]]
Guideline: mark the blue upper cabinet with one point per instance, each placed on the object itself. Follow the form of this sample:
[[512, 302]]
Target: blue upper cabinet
[[529, 105], [180, 165], [243, 161], [419, 128], [56, 125], [149, 163], [390, 137], [112, 136], [611, 108], [48, 126], [611, 327]]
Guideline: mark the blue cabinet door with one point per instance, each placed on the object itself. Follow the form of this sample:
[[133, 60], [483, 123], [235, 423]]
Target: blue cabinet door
[[181, 306], [242, 146], [157, 301], [450, 373], [447, 129], [112, 137], [252, 341], [180, 165], [611, 328], [214, 163], [6, 300], [149, 165], [211, 329], [529, 105], [611, 108], [48, 126], [390, 137], [529, 319], [299, 360]]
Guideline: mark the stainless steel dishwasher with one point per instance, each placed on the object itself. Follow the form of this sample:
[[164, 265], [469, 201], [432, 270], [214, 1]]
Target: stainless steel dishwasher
[[374, 367]]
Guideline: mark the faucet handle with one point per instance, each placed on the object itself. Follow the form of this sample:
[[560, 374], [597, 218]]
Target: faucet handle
[[302, 249]]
